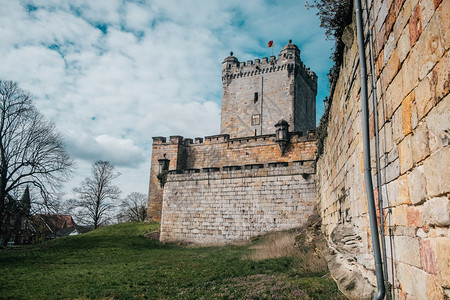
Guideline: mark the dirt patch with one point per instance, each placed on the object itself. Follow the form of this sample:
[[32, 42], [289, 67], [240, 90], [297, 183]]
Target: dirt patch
[[306, 245], [153, 235]]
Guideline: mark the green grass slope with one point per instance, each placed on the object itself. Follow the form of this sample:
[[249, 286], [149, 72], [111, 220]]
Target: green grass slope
[[118, 262]]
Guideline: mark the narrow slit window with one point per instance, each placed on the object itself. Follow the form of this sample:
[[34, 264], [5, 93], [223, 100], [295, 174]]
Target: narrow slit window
[[255, 98]]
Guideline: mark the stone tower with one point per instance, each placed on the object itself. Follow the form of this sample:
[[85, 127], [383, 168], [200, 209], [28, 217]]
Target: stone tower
[[256, 95]]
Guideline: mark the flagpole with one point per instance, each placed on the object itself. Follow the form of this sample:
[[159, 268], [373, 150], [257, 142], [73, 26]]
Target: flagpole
[[270, 45]]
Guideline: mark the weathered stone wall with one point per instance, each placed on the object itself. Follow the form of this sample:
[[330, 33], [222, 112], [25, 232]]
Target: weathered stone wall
[[305, 103], [160, 150], [227, 206], [221, 152], [411, 42], [273, 89]]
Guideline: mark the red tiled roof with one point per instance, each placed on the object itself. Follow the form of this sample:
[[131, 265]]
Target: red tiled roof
[[57, 221]]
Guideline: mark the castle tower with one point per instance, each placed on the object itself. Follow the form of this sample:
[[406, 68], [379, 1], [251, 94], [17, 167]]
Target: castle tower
[[258, 94], [267, 101]]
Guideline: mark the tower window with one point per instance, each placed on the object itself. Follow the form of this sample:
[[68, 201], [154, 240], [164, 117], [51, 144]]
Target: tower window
[[255, 119], [255, 98]]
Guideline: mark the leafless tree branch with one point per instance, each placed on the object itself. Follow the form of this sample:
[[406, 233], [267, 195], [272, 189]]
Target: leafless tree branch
[[134, 208], [97, 194], [32, 152]]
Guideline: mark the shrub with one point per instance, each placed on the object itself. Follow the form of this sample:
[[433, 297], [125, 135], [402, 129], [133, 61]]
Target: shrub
[[334, 16]]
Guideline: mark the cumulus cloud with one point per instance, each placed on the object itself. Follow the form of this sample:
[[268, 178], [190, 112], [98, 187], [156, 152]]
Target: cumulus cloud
[[138, 17], [112, 74], [120, 151]]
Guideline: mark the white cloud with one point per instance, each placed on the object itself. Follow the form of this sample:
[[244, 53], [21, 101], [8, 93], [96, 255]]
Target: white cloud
[[189, 119], [98, 12], [138, 17], [120, 151], [35, 66]]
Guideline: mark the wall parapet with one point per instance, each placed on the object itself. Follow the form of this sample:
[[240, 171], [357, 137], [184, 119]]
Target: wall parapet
[[250, 69], [305, 168], [295, 136], [288, 59], [175, 139], [159, 140]]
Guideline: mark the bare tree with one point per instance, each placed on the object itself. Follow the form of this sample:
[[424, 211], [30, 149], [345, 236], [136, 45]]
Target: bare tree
[[97, 194], [32, 153], [134, 208]]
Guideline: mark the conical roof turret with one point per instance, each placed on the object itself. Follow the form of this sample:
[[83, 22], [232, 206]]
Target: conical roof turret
[[290, 45], [231, 58], [290, 50], [229, 63]]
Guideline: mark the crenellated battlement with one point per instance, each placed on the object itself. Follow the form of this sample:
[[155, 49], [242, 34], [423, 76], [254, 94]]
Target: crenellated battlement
[[256, 140], [254, 68], [288, 60]]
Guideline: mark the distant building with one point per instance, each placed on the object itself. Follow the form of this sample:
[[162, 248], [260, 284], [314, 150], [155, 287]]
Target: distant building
[[51, 226], [22, 228], [16, 230]]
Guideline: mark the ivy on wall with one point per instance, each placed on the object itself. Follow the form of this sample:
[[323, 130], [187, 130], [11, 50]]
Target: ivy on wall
[[321, 131], [334, 16]]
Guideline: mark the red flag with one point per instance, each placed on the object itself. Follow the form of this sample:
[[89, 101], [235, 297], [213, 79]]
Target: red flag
[[270, 44]]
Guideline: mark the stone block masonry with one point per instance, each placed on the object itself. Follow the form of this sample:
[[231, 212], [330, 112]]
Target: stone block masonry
[[411, 43], [257, 94], [227, 206], [222, 153]]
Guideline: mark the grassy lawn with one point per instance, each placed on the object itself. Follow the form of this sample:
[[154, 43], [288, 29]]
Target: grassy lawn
[[118, 262]]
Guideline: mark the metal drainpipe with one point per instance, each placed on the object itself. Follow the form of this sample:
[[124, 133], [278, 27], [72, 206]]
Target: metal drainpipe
[[262, 97], [381, 290], [377, 148]]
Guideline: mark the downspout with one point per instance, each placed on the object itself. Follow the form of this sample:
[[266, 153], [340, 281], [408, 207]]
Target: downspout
[[377, 150], [366, 155], [262, 97]]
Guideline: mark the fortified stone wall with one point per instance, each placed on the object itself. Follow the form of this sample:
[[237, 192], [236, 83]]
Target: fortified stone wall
[[155, 192], [411, 42], [219, 206], [256, 95], [220, 153]]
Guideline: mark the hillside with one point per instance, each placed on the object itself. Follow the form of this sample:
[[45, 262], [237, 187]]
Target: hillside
[[118, 262]]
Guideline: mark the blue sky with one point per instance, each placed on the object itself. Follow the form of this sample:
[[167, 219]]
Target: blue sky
[[112, 74]]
